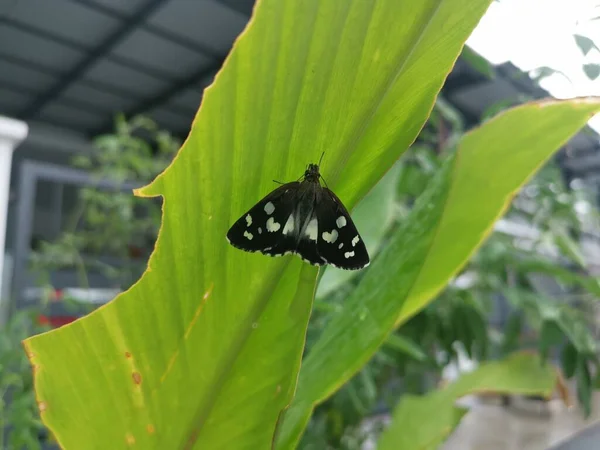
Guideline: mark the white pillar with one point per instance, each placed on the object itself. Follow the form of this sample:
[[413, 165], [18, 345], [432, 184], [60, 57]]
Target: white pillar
[[12, 133]]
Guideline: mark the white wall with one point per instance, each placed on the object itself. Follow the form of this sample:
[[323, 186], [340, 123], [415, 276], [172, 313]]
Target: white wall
[[12, 133]]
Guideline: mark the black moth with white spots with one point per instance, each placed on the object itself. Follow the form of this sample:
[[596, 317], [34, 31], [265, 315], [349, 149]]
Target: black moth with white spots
[[304, 218]]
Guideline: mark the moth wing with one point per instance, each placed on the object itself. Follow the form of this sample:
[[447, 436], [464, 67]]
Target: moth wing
[[261, 227], [339, 242]]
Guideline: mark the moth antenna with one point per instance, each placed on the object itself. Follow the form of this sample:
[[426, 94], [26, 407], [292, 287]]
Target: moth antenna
[[278, 182], [321, 177], [321, 158]]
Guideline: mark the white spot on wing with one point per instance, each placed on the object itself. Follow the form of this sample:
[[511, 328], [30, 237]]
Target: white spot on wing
[[341, 245], [330, 238], [341, 222], [289, 225], [355, 240], [248, 235], [248, 219], [259, 230], [348, 254], [269, 208], [272, 226], [312, 230]]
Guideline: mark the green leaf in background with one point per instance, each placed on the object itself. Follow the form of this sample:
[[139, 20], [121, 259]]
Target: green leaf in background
[[204, 350], [569, 247], [478, 62], [554, 320], [591, 284], [584, 385], [568, 357], [446, 226], [551, 335], [407, 346], [592, 70], [423, 423], [416, 170], [512, 332], [573, 326], [584, 43]]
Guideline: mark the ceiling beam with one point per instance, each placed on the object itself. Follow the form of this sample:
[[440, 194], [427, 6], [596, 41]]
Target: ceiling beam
[[74, 45], [166, 94], [91, 58], [161, 32]]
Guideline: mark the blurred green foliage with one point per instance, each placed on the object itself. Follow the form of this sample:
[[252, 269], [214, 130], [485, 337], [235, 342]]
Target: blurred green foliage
[[20, 426]]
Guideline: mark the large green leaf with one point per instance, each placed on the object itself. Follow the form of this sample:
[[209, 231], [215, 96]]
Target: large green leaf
[[449, 222], [424, 422], [203, 352]]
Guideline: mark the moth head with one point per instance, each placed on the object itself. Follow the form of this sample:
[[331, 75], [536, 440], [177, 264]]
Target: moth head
[[312, 172]]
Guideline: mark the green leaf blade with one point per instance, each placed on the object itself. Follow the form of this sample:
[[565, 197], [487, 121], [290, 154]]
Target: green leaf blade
[[478, 62]]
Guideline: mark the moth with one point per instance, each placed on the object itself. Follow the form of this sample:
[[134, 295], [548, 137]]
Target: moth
[[303, 218]]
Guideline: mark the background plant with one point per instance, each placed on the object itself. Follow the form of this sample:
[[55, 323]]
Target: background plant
[[20, 425], [109, 230]]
